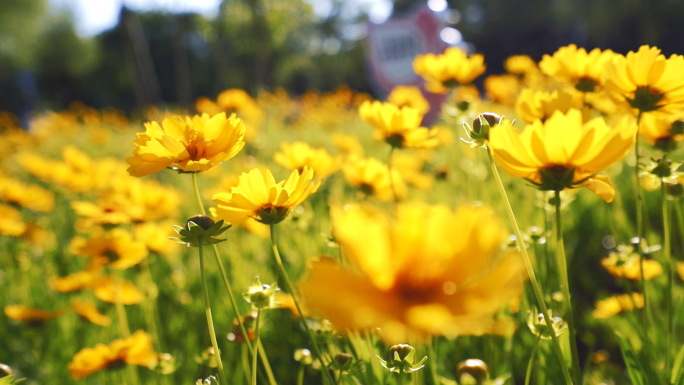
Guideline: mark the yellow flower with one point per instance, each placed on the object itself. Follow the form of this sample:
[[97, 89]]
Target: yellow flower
[[647, 80], [74, 282], [410, 166], [400, 127], [502, 88], [115, 248], [409, 96], [372, 178], [628, 266], [24, 313], [156, 237], [10, 221], [192, 144], [429, 270], [453, 67], [540, 105], [106, 289], [258, 196], [563, 152], [31, 196], [88, 310], [297, 155], [576, 66], [347, 144], [614, 305], [235, 101], [520, 64], [661, 131], [134, 350]]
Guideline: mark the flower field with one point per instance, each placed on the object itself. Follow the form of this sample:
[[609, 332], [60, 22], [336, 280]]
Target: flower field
[[533, 233]]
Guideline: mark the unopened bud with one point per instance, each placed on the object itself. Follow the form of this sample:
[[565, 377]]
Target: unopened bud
[[203, 221], [473, 371]]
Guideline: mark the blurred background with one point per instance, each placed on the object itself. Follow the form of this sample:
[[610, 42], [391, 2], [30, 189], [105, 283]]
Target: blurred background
[[127, 54]]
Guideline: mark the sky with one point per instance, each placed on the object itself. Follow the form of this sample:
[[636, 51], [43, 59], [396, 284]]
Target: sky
[[94, 16]]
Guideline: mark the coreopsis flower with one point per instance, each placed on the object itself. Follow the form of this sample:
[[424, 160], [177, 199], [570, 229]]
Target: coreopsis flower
[[134, 350], [410, 166], [372, 178], [646, 80], [663, 132], [30, 196], [234, 101], [24, 313], [10, 221], [563, 152], [451, 68], [258, 196], [400, 127], [155, 235], [534, 105], [347, 144], [502, 88], [88, 310], [625, 262], [429, 270], [297, 155], [577, 66], [107, 289], [616, 304], [520, 64], [115, 248], [409, 96], [189, 144], [75, 281]]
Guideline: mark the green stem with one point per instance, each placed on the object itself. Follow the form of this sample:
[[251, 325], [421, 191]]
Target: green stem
[[530, 271], [256, 344], [210, 321], [389, 171], [265, 363], [400, 379], [319, 356], [565, 288], [197, 194], [640, 234], [528, 374], [670, 277], [300, 374]]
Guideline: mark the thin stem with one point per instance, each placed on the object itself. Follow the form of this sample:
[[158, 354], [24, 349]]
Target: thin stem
[[565, 288], [300, 374], [530, 271], [670, 277], [210, 321], [640, 233], [256, 342], [528, 374], [265, 363], [389, 171], [224, 276], [319, 356]]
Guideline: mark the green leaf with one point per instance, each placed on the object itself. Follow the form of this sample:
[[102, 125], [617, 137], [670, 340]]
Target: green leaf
[[635, 370], [677, 369]]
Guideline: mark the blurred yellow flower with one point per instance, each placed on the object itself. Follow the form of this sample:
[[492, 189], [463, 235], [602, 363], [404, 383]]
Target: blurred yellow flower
[[10, 221], [88, 310], [429, 270], [234, 101], [400, 127], [134, 350], [155, 235], [614, 305], [502, 88], [372, 178], [627, 265], [24, 313], [409, 96], [410, 166], [258, 196], [116, 249], [30, 196], [192, 144], [449, 69], [347, 144], [563, 152], [647, 80], [662, 131], [74, 282], [297, 155], [576, 66], [107, 289], [519, 64], [534, 105]]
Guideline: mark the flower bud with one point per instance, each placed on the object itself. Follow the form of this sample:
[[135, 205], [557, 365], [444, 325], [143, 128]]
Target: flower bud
[[401, 359], [303, 356], [261, 296], [472, 371], [5, 370], [491, 119], [537, 324], [203, 221]]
